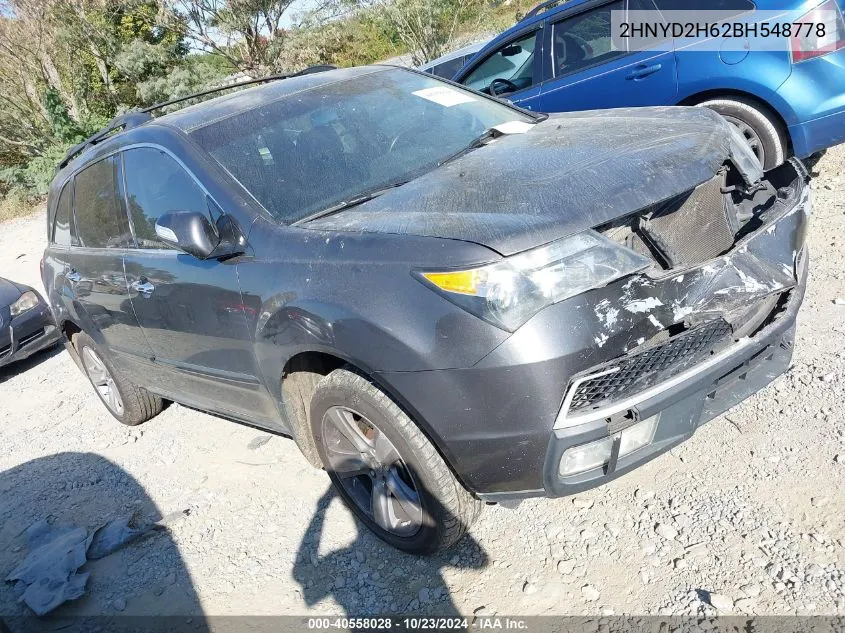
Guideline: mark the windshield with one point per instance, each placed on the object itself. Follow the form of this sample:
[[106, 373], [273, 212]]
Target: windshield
[[318, 148]]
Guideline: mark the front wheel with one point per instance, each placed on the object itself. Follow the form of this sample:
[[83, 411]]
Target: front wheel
[[128, 403], [385, 469], [757, 124]]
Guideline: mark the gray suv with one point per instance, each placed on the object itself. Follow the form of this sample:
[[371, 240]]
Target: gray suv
[[443, 299]]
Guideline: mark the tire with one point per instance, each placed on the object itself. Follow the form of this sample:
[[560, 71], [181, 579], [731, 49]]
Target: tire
[[137, 405], [446, 509], [757, 120]]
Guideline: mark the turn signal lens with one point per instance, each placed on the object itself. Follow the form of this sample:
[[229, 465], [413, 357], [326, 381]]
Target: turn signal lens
[[464, 282]]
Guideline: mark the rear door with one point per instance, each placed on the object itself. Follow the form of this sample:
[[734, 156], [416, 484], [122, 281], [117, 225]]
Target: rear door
[[589, 71], [513, 69], [92, 274], [190, 310]]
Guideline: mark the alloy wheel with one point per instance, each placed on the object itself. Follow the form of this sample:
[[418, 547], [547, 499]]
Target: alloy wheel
[[102, 380], [371, 471], [751, 137]]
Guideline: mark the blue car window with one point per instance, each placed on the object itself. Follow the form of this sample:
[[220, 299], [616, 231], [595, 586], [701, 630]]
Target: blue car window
[[585, 40], [513, 62]]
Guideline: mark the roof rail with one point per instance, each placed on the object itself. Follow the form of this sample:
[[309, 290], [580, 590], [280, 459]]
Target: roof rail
[[135, 118], [542, 7]]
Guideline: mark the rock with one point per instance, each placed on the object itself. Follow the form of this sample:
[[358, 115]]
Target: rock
[[643, 495], [566, 566], [258, 442], [567, 579], [612, 529], [752, 590], [359, 556], [424, 595], [680, 563], [339, 582], [607, 611], [839, 301], [582, 502], [666, 531], [528, 587], [587, 534], [119, 604], [814, 571], [745, 604], [721, 602], [590, 593], [819, 502]]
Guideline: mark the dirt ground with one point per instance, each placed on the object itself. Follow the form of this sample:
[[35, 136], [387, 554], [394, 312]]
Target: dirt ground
[[751, 509]]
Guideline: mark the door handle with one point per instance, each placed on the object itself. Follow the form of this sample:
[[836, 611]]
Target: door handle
[[73, 277], [142, 287], [644, 71]]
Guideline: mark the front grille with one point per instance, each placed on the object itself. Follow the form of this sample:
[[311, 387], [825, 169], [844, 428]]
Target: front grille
[[651, 366]]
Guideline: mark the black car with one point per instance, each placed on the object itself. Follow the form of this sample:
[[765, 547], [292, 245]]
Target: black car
[[445, 300], [26, 324]]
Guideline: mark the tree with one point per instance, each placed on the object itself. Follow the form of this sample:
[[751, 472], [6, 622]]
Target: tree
[[427, 27]]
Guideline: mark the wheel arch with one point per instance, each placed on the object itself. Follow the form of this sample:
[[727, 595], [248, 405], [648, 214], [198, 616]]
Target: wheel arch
[[727, 93], [299, 378]]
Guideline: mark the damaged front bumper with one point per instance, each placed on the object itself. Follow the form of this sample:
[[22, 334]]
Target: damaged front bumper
[[632, 369], [27, 334]]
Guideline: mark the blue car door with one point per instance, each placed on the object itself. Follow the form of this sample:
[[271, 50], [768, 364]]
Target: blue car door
[[512, 70], [589, 71]]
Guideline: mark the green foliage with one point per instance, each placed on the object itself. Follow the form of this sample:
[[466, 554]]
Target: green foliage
[[68, 66]]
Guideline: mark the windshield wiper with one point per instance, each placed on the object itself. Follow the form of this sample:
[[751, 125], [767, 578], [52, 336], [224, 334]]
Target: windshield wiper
[[360, 198]]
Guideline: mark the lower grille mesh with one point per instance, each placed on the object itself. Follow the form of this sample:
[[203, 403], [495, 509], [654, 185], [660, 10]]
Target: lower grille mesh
[[652, 366]]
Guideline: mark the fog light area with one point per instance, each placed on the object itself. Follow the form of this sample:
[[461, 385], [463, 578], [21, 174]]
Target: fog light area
[[580, 459]]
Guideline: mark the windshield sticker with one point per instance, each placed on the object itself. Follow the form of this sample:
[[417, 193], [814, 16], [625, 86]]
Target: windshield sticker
[[445, 96], [513, 127]]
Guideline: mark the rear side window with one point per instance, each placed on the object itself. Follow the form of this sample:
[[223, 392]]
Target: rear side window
[[100, 220], [63, 229], [585, 40], [156, 184]]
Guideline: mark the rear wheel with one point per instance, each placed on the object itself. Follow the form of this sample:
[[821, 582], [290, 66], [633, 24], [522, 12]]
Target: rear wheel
[[385, 469], [757, 124], [128, 403]]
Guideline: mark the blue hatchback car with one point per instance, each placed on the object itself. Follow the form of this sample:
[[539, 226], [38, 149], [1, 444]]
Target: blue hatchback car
[[562, 57]]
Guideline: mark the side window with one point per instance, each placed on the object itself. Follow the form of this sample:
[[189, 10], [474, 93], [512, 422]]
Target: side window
[[64, 232], [448, 69], [100, 220], [156, 184], [513, 62], [585, 40]]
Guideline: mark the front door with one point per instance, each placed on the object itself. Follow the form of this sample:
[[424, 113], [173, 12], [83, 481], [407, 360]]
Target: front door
[[190, 310], [590, 72]]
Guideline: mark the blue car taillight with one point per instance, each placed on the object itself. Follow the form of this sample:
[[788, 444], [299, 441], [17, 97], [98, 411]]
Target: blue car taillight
[[826, 35]]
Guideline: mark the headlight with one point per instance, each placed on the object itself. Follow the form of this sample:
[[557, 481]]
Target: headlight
[[509, 292], [26, 301]]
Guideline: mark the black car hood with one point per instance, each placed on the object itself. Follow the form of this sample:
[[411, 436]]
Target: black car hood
[[566, 174], [9, 292]]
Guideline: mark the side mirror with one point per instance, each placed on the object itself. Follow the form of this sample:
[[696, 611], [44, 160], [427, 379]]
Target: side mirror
[[189, 231]]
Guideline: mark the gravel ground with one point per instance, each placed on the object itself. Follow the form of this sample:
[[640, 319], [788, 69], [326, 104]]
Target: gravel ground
[[746, 517]]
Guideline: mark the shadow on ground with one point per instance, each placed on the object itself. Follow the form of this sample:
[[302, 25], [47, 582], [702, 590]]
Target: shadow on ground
[[405, 583], [143, 577], [18, 367]]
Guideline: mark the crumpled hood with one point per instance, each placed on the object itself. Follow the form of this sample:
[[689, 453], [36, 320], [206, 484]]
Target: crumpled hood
[[568, 173], [9, 293]]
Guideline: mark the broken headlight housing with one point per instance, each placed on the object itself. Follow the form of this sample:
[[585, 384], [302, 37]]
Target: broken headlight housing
[[509, 292]]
